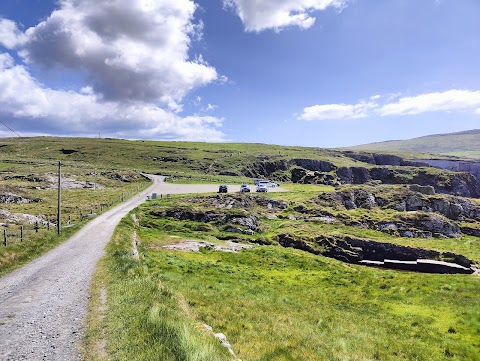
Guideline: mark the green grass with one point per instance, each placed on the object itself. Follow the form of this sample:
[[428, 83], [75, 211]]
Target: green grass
[[277, 303], [463, 144], [75, 203], [282, 304], [146, 319], [16, 254]]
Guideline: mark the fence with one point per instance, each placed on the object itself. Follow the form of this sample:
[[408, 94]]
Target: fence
[[19, 232]]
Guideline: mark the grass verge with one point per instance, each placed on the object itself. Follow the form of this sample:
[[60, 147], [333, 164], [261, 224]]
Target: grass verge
[[277, 304], [145, 318]]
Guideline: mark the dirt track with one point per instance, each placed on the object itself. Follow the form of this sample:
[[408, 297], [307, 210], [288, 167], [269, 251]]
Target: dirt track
[[42, 304]]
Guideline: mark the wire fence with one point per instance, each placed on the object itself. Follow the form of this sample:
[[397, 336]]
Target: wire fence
[[41, 226]]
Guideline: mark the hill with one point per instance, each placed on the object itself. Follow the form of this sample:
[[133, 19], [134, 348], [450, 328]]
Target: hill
[[461, 144], [297, 287]]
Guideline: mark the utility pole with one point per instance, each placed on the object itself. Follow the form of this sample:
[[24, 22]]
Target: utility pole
[[59, 199]]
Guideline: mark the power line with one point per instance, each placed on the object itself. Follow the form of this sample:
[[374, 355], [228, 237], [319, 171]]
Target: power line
[[18, 135]]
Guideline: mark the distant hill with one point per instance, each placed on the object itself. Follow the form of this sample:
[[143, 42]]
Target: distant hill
[[461, 144]]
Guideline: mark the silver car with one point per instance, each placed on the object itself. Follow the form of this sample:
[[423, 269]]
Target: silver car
[[262, 188]]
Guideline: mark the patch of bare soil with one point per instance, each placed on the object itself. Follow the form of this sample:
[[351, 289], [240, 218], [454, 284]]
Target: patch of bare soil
[[194, 246], [69, 183], [9, 217]]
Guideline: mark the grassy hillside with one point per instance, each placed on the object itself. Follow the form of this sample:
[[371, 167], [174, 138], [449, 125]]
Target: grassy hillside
[[462, 144], [271, 302], [153, 156]]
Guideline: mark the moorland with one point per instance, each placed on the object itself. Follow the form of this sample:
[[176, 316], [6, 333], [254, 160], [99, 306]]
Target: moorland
[[299, 291]]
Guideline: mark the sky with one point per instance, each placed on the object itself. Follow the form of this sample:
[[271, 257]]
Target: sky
[[319, 73]]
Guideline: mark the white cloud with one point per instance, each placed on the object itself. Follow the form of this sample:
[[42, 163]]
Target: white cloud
[[451, 100], [10, 35], [36, 109], [259, 15], [336, 111], [130, 50], [134, 56], [447, 101]]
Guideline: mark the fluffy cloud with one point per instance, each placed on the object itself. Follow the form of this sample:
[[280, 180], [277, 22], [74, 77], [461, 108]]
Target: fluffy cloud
[[451, 100], [447, 101], [10, 35], [36, 109], [134, 60], [336, 111], [128, 49], [258, 15]]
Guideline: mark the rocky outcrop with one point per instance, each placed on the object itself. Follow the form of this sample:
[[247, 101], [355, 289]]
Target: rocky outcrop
[[384, 159], [465, 166], [248, 221], [239, 201], [354, 250], [389, 169], [419, 215], [8, 197], [266, 168], [455, 208]]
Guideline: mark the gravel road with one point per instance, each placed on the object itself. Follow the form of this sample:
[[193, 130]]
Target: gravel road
[[42, 304]]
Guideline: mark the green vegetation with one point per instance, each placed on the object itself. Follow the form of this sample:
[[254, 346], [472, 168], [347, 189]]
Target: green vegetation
[[463, 144], [272, 303], [28, 187], [184, 161], [146, 319], [276, 303]]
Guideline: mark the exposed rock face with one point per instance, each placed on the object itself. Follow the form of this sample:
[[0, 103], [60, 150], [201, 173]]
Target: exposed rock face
[[431, 222], [383, 159], [471, 167], [249, 221], [452, 207], [314, 165], [392, 170], [8, 197], [419, 215], [429, 190], [267, 168], [353, 250], [29, 178]]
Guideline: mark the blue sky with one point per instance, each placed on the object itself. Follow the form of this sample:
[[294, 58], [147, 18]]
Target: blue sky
[[323, 73]]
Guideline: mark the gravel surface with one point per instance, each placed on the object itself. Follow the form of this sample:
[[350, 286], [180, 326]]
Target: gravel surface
[[42, 304]]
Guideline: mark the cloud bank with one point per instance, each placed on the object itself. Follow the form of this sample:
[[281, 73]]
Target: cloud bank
[[259, 15], [448, 101], [133, 57]]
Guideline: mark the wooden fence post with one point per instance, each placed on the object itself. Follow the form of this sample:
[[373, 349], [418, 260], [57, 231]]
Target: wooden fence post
[[5, 237], [21, 233], [36, 226]]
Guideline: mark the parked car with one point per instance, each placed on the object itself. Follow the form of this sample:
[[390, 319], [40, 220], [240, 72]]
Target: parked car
[[244, 188], [223, 188], [273, 184], [268, 183], [262, 188]]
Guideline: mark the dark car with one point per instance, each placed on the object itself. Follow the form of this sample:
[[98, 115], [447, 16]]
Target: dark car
[[223, 189]]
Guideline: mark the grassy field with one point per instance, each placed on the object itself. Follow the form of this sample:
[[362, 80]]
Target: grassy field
[[275, 303], [30, 175], [463, 144]]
